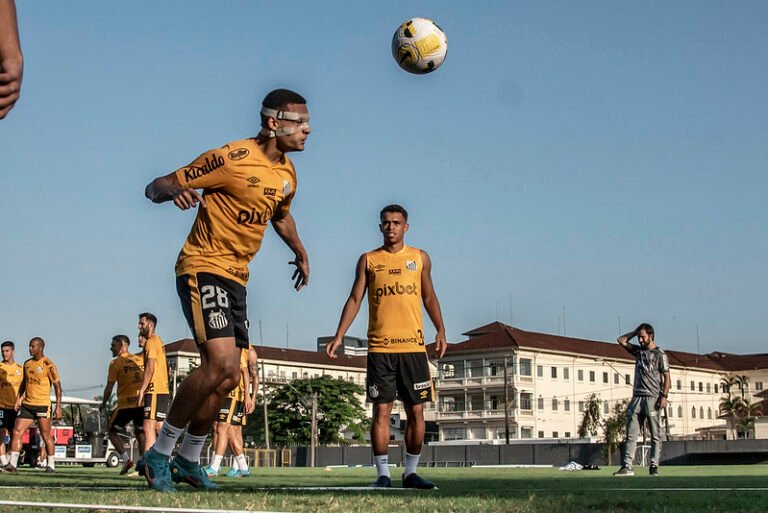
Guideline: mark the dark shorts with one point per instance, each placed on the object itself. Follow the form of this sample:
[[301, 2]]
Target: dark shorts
[[7, 418], [227, 410], [214, 307], [155, 407], [34, 412], [238, 418], [403, 376], [122, 416]]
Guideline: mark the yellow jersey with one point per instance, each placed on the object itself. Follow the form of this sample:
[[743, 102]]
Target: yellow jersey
[[154, 349], [394, 301], [38, 377], [127, 370], [11, 375], [243, 190]]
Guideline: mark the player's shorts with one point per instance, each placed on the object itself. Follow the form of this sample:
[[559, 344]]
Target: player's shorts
[[214, 307], [227, 410], [238, 417], [122, 416], [155, 407], [28, 411], [7, 418], [403, 376]]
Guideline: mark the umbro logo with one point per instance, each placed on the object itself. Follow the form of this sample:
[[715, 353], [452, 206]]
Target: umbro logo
[[252, 181]]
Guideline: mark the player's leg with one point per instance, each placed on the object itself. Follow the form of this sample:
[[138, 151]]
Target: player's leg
[[44, 425], [149, 423], [7, 418], [634, 425], [382, 390], [23, 421], [221, 434], [414, 387], [654, 426], [3, 454], [236, 447]]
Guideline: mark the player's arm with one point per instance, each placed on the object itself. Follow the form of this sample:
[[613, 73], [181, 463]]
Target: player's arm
[[11, 59], [432, 305], [253, 373], [663, 401], [624, 339], [351, 307], [285, 226], [57, 389], [149, 371], [107, 394], [168, 188], [22, 393]]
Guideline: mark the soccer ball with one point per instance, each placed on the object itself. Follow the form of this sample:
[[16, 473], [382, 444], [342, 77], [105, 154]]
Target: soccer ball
[[419, 46]]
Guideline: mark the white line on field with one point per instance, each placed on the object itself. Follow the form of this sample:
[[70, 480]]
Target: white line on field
[[111, 507]]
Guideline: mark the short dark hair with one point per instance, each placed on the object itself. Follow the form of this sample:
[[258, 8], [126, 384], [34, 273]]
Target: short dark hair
[[42, 342], [123, 339], [150, 317], [394, 208], [647, 327], [8, 343], [278, 99]]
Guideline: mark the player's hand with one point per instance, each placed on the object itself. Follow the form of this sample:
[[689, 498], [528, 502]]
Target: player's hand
[[186, 198], [140, 399], [17, 405], [663, 402], [440, 345], [57, 412], [249, 406], [301, 274], [10, 85], [330, 349]]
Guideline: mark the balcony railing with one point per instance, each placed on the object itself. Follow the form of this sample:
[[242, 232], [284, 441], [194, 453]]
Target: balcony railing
[[472, 414]]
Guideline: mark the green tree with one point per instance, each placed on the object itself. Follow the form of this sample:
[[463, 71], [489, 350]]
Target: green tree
[[743, 383], [726, 384], [745, 421], [730, 407], [615, 427], [338, 410], [590, 422]]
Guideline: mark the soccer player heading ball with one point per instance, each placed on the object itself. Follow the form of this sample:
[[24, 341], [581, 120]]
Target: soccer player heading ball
[[245, 184]]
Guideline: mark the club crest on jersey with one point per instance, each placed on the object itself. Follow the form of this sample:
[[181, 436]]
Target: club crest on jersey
[[286, 187], [217, 320], [373, 392], [410, 265]]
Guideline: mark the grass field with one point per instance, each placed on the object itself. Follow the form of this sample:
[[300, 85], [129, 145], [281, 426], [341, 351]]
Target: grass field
[[484, 490]]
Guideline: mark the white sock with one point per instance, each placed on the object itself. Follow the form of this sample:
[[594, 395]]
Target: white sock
[[14, 458], [216, 463], [240, 462], [192, 446], [382, 464], [166, 439], [124, 457], [411, 462], [4, 459], [51, 462]]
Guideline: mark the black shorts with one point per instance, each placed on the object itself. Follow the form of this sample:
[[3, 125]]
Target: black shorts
[[403, 376], [34, 412], [238, 417], [227, 410], [214, 307], [122, 416], [155, 407], [7, 418]]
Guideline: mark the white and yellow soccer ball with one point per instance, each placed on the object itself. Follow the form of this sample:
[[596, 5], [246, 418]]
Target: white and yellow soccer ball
[[419, 46]]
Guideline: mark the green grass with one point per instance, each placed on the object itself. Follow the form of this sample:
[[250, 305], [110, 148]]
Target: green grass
[[460, 490]]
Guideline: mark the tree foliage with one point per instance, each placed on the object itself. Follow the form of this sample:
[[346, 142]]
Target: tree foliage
[[590, 422], [615, 427], [290, 412]]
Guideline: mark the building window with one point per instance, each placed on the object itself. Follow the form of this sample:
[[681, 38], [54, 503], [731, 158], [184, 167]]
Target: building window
[[693, 386], [693, 412], [554, 372], [541, 434], [716, 388], [567, 434], [449, 370], [526, 432], [555, 404], [679, 384], [701, 412], [616, 378], [525, 367], [581, 406], [454, 433], [566, 373], [709, 413], [605, 377], [701, 386], [758, 385], [680, 412], [591, 376], [526, 401], [539, 371], [540, 403], [294, 375], [626, 379], [605, 407], [555, 434], [709, 388], [567, 405], [580, 375]]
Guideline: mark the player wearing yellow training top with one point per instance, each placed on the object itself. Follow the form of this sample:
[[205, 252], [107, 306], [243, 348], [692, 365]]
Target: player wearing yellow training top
[[127, 370], [245, 185], [153, 393], [398, 280], [34, 403], [11, 374]]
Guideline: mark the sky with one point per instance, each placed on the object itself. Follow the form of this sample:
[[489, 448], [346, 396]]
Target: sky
[[573, 167]]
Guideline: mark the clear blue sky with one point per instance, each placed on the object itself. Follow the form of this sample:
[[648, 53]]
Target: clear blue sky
[[606, 160]]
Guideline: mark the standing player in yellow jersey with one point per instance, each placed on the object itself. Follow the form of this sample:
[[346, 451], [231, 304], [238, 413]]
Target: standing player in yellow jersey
[[34, 403], [11, 374], [398, 280], [245, 185], [153, 394], [127, 370]]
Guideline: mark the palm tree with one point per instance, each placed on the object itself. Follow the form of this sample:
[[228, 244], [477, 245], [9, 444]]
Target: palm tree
[[743, 383], [747, 411], [727, 383], [730, 407]]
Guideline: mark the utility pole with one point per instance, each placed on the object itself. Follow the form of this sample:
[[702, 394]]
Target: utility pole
[[313, 445], [264, 388], [506, 402]]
